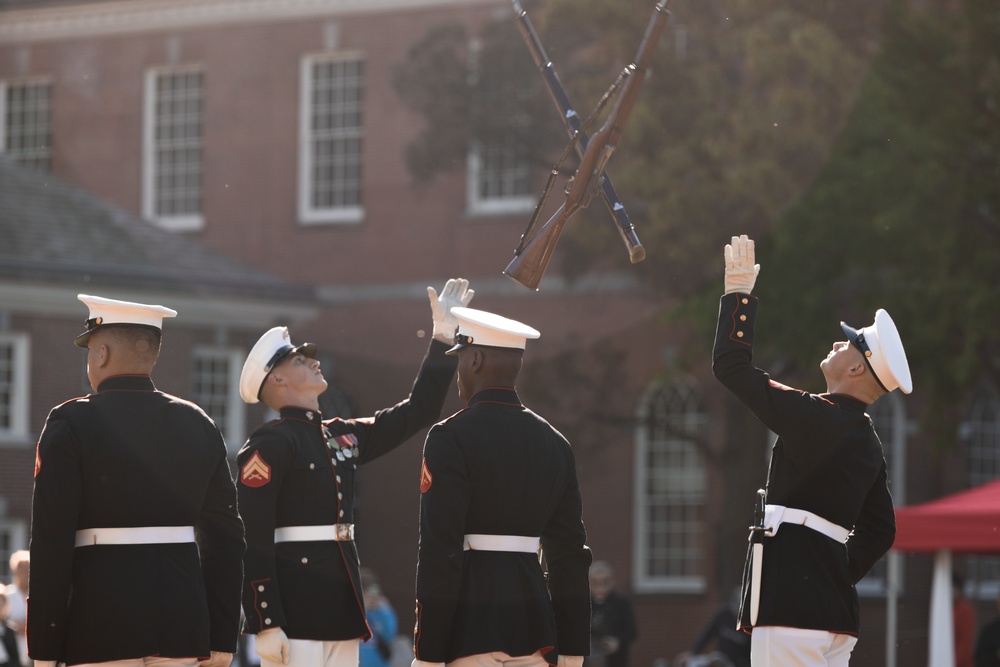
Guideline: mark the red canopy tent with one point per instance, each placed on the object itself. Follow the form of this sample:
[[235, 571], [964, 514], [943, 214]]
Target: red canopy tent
[[965, 522]]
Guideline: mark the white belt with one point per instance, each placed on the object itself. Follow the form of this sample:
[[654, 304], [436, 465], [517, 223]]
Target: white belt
[[338, 532], [516, 543], [145, 535], [775, 515]]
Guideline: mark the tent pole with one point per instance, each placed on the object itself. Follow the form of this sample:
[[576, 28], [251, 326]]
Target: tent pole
[[891, 607], [941, 652]]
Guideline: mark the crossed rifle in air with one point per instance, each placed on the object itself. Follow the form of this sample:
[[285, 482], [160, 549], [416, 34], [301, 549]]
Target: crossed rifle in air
[[535, 249]]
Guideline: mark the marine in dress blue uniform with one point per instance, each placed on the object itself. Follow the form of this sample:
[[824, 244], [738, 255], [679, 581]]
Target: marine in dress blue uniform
[[829, 516], [302, 595], [497, 482], [136, 542]]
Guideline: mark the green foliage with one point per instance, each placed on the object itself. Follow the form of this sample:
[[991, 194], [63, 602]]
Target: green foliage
[[904, 215]]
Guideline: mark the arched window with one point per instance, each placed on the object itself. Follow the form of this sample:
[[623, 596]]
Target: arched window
[[981, 434], [670, 489]]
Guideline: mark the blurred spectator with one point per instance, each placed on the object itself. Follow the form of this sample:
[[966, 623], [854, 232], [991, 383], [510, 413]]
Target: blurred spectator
[[964, 622], [17, 596], [612, 620], [988, 644], [732, 645], [8, 638], [377, 651]]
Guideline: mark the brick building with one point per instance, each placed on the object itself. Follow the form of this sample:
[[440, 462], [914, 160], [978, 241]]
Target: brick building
[[257, 144]]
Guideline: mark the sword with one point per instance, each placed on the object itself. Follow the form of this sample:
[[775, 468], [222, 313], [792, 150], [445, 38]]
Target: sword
[[757, 539]]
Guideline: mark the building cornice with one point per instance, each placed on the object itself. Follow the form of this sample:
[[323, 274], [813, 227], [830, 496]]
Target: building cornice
[[100, 19]]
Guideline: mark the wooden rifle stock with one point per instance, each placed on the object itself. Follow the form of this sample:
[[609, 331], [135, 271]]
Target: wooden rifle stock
[[534, 254], [574, 127]]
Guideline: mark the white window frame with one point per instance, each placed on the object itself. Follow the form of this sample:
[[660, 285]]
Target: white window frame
[[233, 427], [643, 580], [876, 583], [45, 153], [17, 431], [307, 213], [479, 205], [184, 222]]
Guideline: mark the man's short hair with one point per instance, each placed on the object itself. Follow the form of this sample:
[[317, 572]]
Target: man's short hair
[[142, 341]]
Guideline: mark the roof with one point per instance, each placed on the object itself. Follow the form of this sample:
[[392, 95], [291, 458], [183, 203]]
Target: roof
[[965, 522], [57, 234]]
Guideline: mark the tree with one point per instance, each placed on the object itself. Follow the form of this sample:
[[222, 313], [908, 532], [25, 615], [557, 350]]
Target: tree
[[904, 215]]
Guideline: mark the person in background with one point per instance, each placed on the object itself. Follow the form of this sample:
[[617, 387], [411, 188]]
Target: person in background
[[10, 652], [732, 645], [376, 651], [988, 642], [612, 619], [963, 618], [17, 596]]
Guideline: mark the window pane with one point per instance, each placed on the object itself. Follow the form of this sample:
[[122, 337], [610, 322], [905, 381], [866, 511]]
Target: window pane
[[336, 133], [28, 124], [673, 484], [177, 130]]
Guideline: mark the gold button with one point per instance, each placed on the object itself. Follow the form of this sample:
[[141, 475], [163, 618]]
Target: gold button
[[267, 621], [312, 466], [746, 300], [739, 334], [743, 318], [305, 560], [260, 588], [263, 605]]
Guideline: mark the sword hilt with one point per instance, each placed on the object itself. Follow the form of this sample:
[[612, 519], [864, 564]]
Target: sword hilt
[[758, 513]]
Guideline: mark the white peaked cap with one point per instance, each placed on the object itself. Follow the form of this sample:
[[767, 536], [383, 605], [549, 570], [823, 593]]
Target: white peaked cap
[[478, 327], [270, 350], [105, 312], [883, 350]]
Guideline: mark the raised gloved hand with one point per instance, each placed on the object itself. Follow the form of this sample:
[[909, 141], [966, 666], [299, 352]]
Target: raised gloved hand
[[455, 292], [272, 645], [218, 659], [741, 272]]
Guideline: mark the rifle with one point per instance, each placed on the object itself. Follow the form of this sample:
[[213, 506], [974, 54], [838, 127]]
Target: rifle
[[534, 252]]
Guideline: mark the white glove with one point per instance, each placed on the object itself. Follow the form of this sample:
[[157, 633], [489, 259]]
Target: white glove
[[46, 663], [741, 272], [272, 645], [570, 661], [455, 292]]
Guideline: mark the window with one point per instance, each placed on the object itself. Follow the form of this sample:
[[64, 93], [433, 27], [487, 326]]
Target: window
[[14, 388], [888, 415], [26, 131], [172, 148], [981, 433], [670, 490], [499, 179], [13, 537], [215, 375], [331, 139]]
